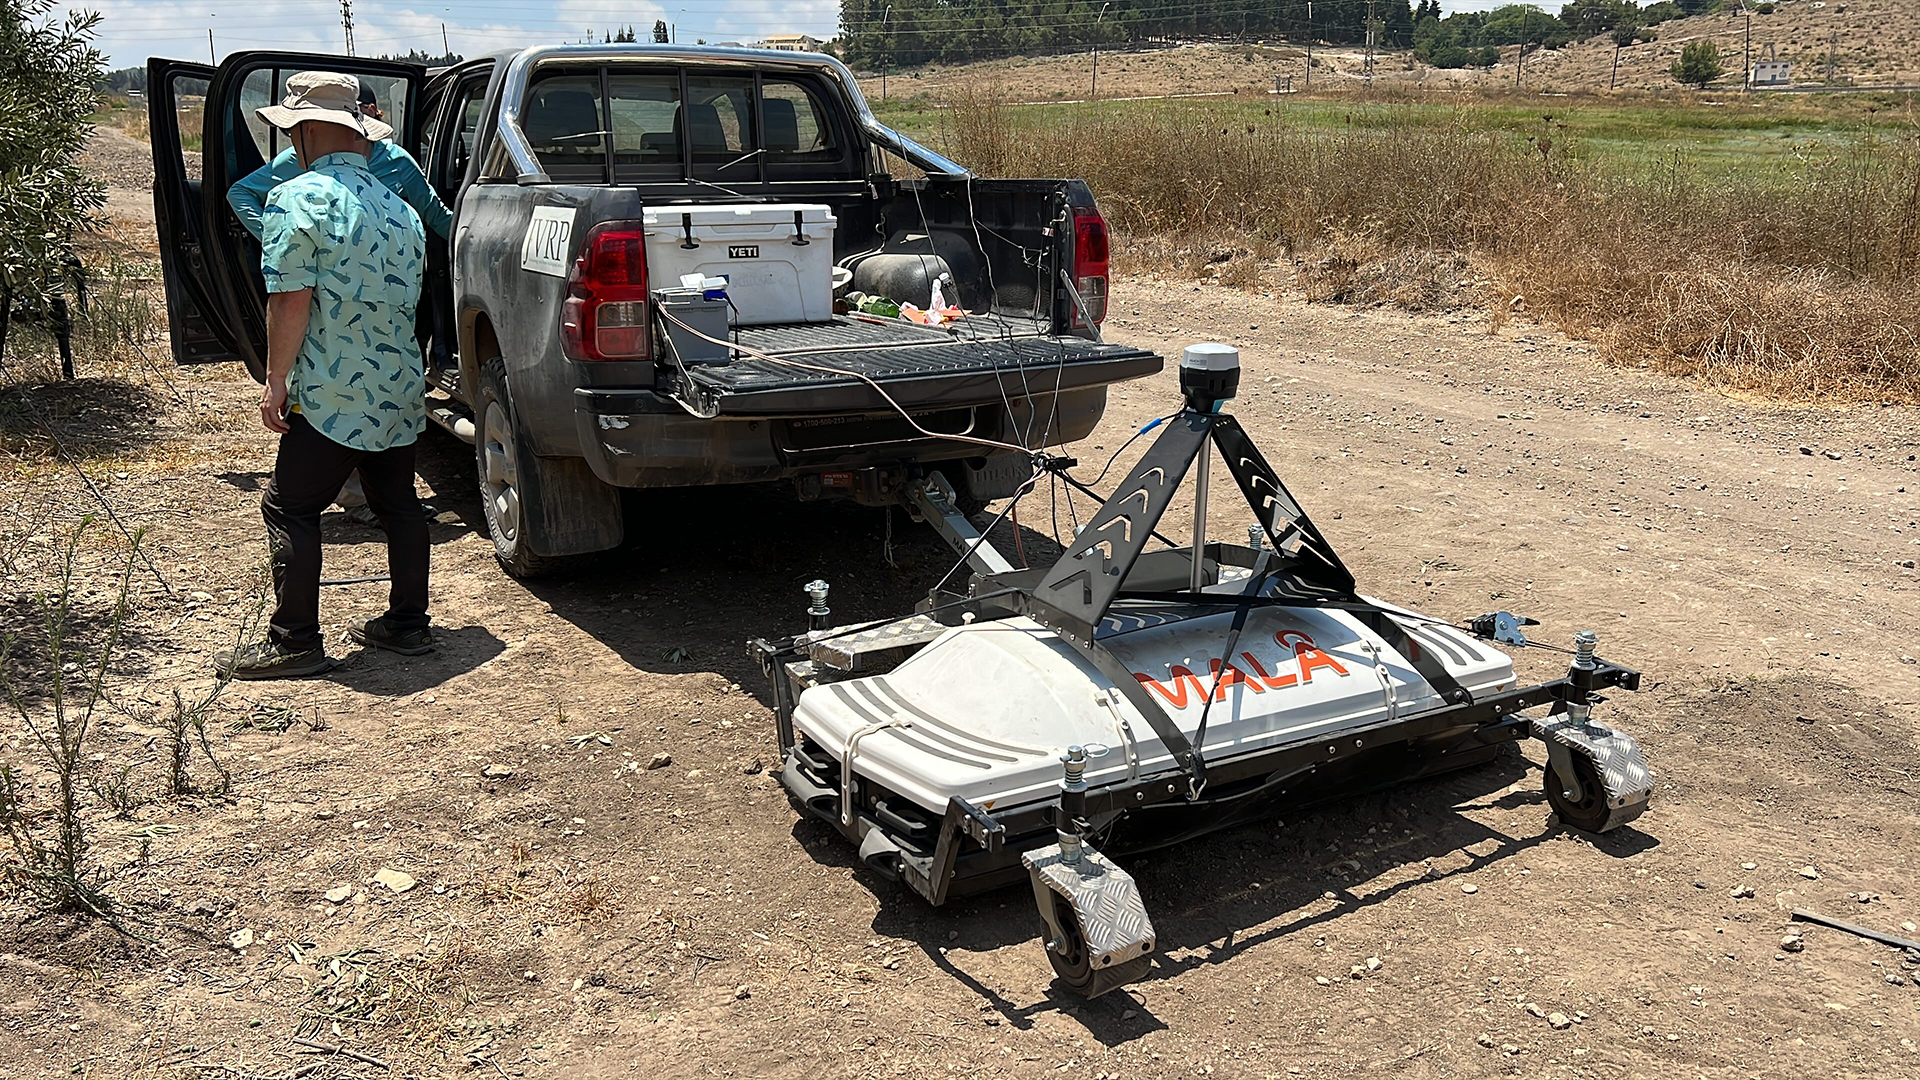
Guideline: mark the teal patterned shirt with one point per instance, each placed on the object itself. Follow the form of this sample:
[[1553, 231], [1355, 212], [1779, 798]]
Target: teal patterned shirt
[[337, 230]]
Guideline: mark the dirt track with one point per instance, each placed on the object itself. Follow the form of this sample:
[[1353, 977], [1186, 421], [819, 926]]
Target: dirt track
[[585, 916]]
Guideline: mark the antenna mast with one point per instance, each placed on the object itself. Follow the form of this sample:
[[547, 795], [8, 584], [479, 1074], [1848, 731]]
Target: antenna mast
[[346, 22]]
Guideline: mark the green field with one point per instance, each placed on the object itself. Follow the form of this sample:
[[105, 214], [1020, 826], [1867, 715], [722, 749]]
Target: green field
[[1738, 135]]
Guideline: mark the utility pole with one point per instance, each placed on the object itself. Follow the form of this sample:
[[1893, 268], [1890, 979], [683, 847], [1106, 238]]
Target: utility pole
[[1309, 85], [1520, 65], [886, 43], [1094, 93], [1372, 40], [211, 57], [1749, 49], [346, 22], [1833, 43], [446, 49]]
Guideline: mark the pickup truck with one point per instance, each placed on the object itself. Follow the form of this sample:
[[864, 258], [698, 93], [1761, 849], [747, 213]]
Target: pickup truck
[[544, 342]]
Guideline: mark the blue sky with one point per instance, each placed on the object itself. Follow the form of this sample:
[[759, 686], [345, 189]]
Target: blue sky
[[136, 29]]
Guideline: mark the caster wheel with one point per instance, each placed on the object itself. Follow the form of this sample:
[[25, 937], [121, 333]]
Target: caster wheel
[[1591, 813], [1074, 967]]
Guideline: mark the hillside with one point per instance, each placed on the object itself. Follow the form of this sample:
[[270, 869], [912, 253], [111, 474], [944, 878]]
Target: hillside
[[1875, 42]]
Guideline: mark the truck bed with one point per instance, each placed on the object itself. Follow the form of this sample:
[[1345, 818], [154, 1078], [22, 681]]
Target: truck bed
[[976, 360]]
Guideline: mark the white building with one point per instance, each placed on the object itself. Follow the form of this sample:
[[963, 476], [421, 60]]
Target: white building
[[1772, 73], [792, 43]]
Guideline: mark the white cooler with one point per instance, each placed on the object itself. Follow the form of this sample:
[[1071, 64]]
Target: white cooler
[[772, 277]]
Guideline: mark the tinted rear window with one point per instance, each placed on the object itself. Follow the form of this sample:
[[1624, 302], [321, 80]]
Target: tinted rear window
[[664, 126]]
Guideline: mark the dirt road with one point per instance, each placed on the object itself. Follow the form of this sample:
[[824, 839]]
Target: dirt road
[[578, 914]]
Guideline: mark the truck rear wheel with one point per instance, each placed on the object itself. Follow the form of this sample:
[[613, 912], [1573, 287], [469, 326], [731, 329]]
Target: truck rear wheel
[[542, 513]]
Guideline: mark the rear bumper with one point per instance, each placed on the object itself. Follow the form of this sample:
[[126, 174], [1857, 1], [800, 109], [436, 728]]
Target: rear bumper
[[638, 439]]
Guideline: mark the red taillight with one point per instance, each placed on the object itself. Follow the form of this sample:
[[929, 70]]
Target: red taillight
[[1090, 263], [605, 313]]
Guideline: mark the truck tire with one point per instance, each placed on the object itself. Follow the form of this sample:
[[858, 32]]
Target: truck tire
[[543, 514]]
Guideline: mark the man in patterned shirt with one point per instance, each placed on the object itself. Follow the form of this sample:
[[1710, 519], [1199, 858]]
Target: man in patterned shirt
[[342, 256]]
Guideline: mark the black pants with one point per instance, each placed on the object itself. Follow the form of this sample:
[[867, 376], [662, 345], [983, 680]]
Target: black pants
[[307, 474]]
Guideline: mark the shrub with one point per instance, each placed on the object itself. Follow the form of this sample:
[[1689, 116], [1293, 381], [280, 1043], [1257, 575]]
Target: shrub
[[47, 74], [51, 842], [1699, 63]]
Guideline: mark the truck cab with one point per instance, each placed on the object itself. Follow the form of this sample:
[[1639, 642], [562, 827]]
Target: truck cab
[[586, 182]]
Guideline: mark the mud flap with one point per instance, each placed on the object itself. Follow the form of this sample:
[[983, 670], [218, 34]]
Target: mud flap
[[1625, 780]]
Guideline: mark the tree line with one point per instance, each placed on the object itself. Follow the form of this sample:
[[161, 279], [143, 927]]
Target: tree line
[[905, 33]]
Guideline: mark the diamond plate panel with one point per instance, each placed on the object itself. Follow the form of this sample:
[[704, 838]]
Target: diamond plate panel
[[844, 653], [1623, 769], [1105, 898]]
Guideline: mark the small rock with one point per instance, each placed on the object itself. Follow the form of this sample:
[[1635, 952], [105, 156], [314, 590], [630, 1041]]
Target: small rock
[[323, 815], [1373, 963], [1534, 1010], [1322, 980], [1509, 1048], [203, 907], [1895, 980], [1807, 450], [752, 768], [240, 938], [1905, 564], [1834, 455], [1358, 972], [1559, 1021], [695, 774], [339, 894], [1469, 888], [1867, 897], [1909, 927], [1749, 866], [1486, 1041], [1792, 943], [1810, 873], [397, 880], [660, 761], [742, 992], [496, 772], [1740, 892]]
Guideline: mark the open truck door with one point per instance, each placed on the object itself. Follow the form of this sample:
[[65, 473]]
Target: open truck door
[[216, 297], [176, 101]]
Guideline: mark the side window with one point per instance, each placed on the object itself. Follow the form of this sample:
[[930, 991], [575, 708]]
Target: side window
[[646, 129], [266, 86], [190, 119], [562, 124], [796, 123], [719, 120]]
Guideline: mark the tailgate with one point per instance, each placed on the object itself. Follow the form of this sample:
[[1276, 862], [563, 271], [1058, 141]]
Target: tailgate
[[920, 367]]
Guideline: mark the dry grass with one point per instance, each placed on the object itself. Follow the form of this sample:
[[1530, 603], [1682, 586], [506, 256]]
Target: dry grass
[[1796, 281]]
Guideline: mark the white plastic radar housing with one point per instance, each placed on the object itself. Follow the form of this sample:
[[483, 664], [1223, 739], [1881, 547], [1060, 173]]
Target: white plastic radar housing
[[1210, 356]]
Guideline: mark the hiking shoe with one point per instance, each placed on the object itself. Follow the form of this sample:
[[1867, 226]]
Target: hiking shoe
[[378, 634], [270, 660]]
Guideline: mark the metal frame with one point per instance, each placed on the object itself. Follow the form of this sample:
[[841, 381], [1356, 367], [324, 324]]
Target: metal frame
[[1075, 595]]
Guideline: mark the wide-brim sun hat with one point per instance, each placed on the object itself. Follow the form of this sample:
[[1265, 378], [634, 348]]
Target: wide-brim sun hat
[[324, 96]]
